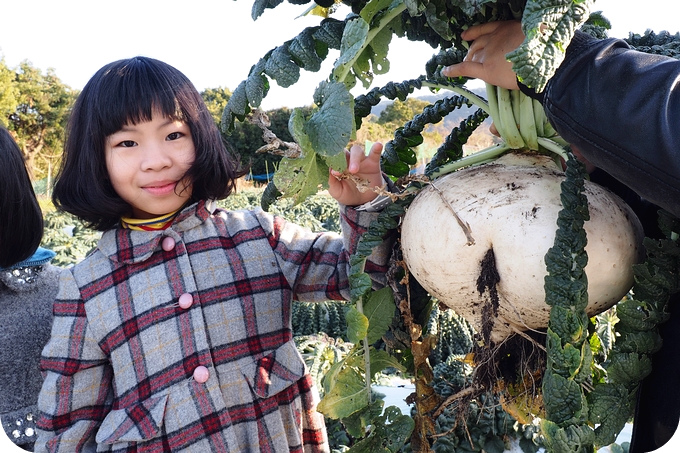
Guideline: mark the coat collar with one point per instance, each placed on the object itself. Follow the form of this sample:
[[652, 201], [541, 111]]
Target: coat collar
[[126, 246]]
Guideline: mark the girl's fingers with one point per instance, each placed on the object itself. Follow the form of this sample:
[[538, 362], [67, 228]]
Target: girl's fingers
[[356, 155], [376, 151]]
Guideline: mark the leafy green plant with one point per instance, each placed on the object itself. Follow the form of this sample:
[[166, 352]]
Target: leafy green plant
[[362, 40], [68, 238], [318, 212], [311, 318]]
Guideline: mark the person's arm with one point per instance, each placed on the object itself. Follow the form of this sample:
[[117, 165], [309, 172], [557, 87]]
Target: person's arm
[[317, 265], [618, 106], [621, 108], [76, 392]]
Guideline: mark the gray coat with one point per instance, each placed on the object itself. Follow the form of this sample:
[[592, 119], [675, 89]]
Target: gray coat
[[181, 339], [26, 297]]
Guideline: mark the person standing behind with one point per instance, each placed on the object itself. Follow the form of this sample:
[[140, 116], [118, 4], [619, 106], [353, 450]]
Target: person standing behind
[[28, 287], [175, 333], [620, 108]]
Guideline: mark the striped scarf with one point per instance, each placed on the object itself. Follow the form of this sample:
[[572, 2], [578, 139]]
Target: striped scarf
[[158, 223]]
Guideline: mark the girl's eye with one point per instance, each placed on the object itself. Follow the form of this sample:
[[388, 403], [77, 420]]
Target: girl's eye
[[127, 144], [174, 136]]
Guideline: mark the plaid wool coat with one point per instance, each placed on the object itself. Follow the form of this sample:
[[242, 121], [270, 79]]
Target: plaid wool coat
[[180, 340]]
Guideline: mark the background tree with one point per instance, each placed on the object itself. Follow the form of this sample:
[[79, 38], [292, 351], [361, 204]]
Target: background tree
[[8, 93], [39, 119], [215, 99], [399, 112]]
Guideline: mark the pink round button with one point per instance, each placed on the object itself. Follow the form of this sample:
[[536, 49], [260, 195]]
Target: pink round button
[[168, 244], [185, 300], [201, 374]]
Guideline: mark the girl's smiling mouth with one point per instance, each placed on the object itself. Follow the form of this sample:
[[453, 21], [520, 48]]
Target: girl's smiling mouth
[[160, 188]]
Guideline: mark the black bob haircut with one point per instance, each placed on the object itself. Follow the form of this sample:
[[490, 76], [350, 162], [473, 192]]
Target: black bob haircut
[[21, 222], [127, 92]]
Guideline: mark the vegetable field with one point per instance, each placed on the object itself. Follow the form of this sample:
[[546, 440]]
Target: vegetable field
[[558, 364]]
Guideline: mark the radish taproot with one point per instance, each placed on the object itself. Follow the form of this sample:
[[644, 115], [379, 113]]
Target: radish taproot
[[493, 225]]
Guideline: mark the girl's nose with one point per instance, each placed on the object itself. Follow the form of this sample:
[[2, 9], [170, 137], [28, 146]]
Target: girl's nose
[[155, 158]]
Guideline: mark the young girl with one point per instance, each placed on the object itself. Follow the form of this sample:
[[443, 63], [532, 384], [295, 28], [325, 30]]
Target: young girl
[[28, 286], [175, 333]]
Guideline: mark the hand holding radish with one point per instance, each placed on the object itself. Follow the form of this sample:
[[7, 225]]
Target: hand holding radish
[[486, 59], [360, 166]]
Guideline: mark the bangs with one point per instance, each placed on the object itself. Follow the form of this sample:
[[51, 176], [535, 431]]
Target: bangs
[[131, 90]]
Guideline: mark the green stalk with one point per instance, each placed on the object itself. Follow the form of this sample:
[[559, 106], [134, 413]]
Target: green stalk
[[364, 341], [480, 157], [515, 104], [553, 147], [493, 106], [527, 122], [506, 123], [517, 119], [340, 74], [367, 355], [539, 118]]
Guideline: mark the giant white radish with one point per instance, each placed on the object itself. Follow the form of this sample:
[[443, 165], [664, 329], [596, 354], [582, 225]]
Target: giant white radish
[[476, 240]]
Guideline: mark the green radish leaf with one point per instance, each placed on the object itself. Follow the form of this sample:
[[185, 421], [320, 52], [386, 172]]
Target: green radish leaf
[[348, 395], [257, 85], [296, 127], [303, 49], [357, 423], [601, 401], [280, 67], [330, 33], [379, 309], [353, 40], [381, 360], [357, 325], [572, 438], [300, 178], [237, 107], [388, 434], [330, 128], [548, 26], [564, 401], [331, 376], [337, 162]]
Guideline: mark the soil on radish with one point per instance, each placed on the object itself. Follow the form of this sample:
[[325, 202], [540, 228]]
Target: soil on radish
[[514, 358], [486, 286]]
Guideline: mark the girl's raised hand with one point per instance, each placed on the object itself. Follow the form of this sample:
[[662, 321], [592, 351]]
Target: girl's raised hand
[[486, 59], [362, 166]]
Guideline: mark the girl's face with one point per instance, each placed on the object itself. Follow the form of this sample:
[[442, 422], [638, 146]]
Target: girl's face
[[147, 163]]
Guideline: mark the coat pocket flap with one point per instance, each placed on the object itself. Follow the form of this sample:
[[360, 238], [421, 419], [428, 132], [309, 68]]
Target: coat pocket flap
[[136, 423], [275, 371]]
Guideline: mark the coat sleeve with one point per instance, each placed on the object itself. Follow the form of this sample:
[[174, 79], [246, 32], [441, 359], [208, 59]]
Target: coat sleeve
[[316, 265], [621, 109], [76, 391]]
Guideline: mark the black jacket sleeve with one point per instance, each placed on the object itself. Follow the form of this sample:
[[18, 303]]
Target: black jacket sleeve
[[621, 109]]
